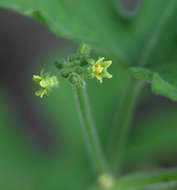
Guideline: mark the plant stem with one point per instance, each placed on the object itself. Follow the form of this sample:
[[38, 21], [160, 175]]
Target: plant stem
[[122, 124], [89, 131]]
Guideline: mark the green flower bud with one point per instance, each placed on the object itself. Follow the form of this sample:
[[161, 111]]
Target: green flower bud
[[84, 50]]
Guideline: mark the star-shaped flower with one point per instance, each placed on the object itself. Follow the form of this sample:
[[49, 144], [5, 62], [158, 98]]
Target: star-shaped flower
[[99, 68], [46, 83]]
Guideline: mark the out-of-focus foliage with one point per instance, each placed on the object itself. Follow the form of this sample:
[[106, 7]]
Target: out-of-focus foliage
[[148, 41], [140, 42]]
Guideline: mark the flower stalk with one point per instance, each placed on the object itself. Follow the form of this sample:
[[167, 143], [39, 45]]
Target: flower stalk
[[90, 134]]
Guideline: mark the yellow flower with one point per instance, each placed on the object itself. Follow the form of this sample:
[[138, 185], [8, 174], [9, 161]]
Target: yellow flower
[[99, 69], [46, 83]]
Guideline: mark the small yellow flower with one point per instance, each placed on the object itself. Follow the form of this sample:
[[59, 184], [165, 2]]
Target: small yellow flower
[[46, 83], [99, 69]]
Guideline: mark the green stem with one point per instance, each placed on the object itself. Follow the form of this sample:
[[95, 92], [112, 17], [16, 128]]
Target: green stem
[[122, 124], [90, 134]]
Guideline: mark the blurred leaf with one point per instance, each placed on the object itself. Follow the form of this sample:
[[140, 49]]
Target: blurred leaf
[[158, 85], [152, 180], [148, 40]]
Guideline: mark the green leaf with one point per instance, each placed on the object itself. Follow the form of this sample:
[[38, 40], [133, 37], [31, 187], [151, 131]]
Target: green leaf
[[158, 85], [148, 40]]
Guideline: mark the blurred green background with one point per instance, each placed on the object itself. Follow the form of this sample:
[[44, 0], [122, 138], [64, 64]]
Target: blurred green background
[[26, 163]]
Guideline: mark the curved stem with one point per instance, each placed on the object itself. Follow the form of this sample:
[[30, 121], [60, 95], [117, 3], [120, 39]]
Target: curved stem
[[89, 131], [122, 124]]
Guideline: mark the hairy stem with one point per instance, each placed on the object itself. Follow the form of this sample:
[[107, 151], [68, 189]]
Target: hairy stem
[[122, 124], [89, 131]]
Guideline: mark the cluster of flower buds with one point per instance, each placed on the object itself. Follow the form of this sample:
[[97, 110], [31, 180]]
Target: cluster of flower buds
[[76, 68], [81, 65]]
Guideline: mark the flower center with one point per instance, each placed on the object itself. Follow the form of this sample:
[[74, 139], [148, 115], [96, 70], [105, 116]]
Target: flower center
[[98, 69]]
